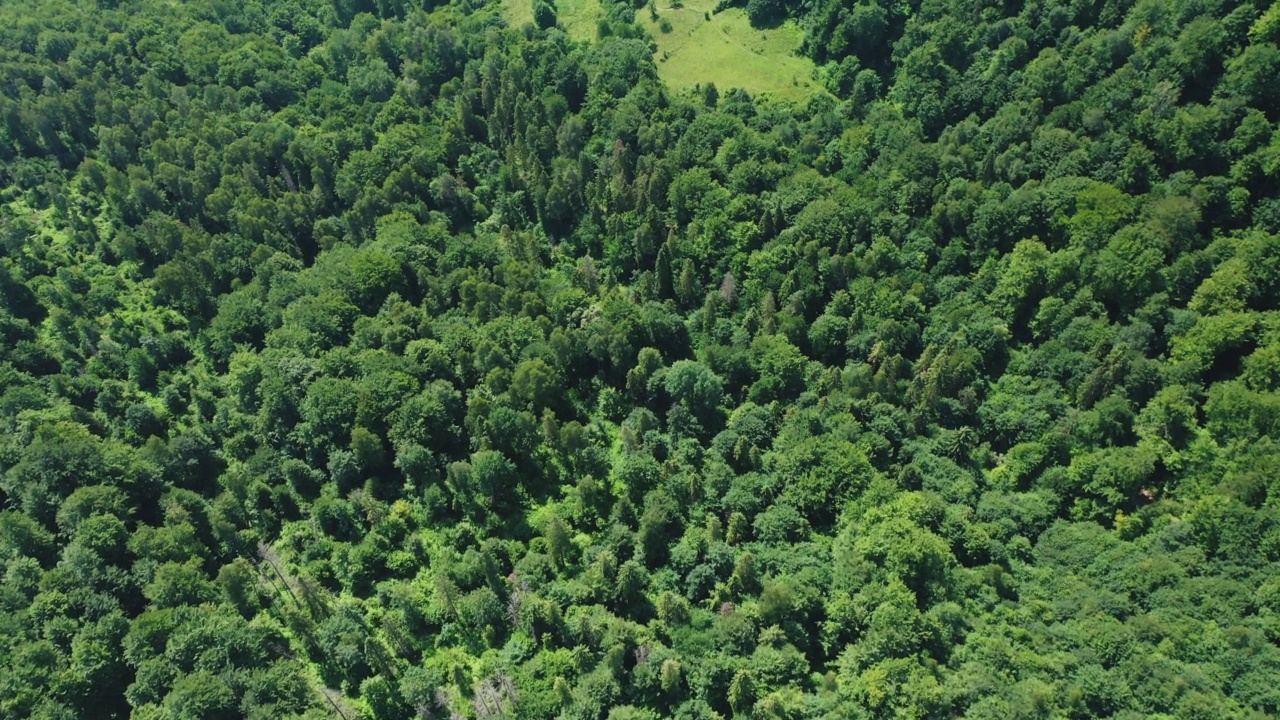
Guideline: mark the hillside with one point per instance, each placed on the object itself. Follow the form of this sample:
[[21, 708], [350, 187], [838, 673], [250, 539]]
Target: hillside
[[414, 359]]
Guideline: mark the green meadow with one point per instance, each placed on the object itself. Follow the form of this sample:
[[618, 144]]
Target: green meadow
[[696, 46], [722, 48], [577, 17]]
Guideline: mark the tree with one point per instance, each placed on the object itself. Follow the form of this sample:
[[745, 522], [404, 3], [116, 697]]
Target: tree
[[20, 536], [330, 410], [1246, 75], [648, 363], [535, 382], [742, 693], [59, 459], [1128, 266], [238, 581], [176, 584], [820, 473], [544, 14], [201, 696], [494, 476], [781, 368], [696, 387], [558, 542]]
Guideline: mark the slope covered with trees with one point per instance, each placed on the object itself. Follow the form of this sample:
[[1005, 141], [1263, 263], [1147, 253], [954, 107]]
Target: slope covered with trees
[[376, 359]]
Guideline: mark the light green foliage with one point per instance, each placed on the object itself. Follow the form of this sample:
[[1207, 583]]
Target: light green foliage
[[742, 693]]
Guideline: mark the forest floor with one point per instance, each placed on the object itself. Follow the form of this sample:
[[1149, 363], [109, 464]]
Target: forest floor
[[702, 46]]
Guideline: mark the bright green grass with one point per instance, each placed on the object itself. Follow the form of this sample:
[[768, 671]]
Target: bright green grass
[[725, 50], [578, 17]]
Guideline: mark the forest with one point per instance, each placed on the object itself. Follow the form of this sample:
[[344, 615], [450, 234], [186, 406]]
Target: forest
[[388, 359]]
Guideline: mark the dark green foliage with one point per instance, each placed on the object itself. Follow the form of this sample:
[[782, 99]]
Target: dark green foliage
[[373, 359], [544, 14]]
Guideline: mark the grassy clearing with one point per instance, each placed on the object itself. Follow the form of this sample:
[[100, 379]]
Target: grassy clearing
[[724, 50], [578, 17], [727, 51]]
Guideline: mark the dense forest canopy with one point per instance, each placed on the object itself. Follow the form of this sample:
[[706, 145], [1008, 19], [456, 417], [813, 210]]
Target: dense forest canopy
[[377, 359]]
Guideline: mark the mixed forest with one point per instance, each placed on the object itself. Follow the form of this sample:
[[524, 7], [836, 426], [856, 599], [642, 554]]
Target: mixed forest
[[382, 359]]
